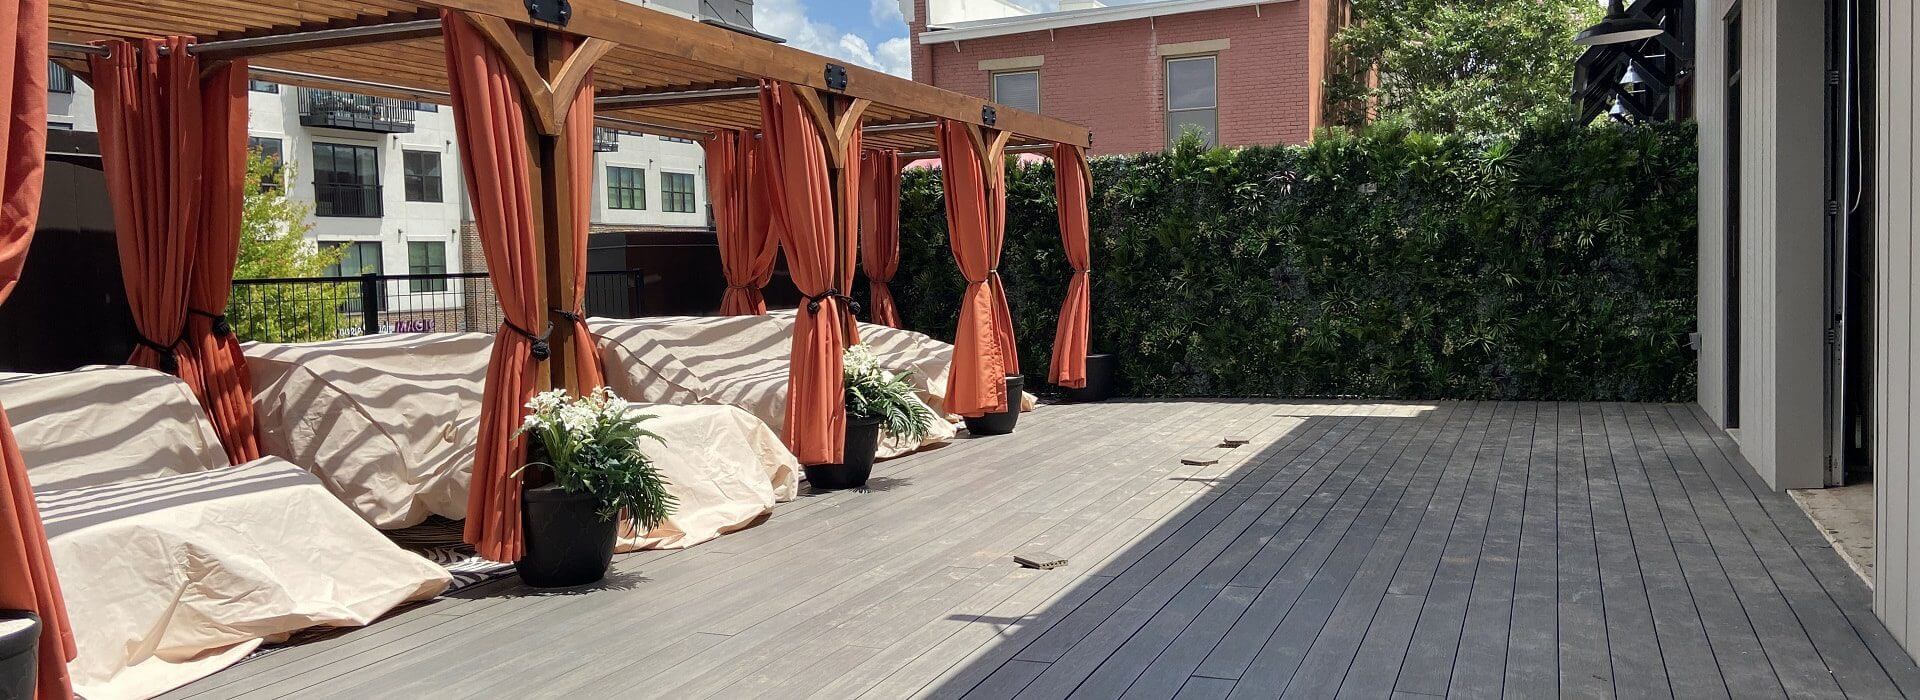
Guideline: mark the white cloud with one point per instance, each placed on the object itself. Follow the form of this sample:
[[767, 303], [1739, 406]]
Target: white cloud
[[886, 13], [788, 19]]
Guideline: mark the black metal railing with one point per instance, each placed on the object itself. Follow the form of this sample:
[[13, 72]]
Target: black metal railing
[[347, 200], [345, 110], [304, 309], [605, 140]]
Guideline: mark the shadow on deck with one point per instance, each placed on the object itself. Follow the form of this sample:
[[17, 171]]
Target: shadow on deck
[[1357, 549]]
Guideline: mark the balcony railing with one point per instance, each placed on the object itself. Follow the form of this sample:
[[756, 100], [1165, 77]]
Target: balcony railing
[[346, 199], [605, 140], [345, 110]]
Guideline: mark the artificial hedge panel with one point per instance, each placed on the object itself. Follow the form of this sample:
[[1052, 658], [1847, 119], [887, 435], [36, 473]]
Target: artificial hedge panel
[[1557, 264]]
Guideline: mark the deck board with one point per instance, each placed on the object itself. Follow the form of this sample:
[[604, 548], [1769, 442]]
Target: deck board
[[1358, 549]]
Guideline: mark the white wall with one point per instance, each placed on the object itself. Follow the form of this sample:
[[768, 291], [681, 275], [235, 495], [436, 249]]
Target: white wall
[[655, 156], [945, 12], [1781, 257], [1896, 591]]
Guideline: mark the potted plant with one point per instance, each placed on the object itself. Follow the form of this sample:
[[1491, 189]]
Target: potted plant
[[19, 657], [877, 400], [1001, 422], [588, 448], [1099, 386]]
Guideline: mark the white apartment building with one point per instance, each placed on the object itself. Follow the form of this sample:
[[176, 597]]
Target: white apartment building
[[383, 175]]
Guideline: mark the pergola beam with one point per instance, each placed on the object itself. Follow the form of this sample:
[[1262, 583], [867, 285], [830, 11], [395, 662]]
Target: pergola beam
[[290, 42], [676, 98], [296, 42], [649, 30]]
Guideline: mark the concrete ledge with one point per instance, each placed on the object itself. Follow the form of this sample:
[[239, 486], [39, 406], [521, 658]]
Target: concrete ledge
[[1013, 63], [1186, 48]]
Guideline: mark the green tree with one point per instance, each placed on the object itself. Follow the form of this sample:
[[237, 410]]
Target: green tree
[[1446, 66], [273, 244]]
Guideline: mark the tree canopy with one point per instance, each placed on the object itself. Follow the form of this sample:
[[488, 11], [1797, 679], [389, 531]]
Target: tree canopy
[[1459, 65]]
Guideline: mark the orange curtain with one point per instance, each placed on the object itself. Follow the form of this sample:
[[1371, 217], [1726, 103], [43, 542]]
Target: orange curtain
[[492, 132], [148, 107], [880, 231], [579, 140], [984, 352], [27, 580], [226, 389], [798, 186], [1071, 186], [747, 244]]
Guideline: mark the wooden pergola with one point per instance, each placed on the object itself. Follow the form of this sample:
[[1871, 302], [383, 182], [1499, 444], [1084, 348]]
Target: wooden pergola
[[653, 73]]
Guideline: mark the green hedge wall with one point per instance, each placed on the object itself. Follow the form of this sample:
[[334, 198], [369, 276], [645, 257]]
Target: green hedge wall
[[1557, 264]]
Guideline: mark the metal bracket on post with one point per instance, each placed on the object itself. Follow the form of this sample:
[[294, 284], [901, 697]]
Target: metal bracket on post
[[836, 77], [987, 115], [550, 11]]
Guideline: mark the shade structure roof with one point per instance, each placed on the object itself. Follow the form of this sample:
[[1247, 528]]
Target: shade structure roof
[[664, 70]]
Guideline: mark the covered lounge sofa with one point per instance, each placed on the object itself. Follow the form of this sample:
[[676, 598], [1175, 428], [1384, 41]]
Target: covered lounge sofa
[[389, 424], [176, 564], [744, 361]]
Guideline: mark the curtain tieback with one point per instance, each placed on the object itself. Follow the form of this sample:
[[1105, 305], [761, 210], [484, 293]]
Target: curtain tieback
[[813, 301], [220, 326], [743, 286], [570, 316], [540, 350], [169, 358]]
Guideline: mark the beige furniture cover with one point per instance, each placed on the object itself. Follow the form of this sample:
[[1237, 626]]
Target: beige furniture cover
[[743, 361], [171, 578], [174, 564], [726, 468], [105, 425], [389, 424]]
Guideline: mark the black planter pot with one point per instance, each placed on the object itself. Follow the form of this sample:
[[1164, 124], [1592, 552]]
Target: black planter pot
[[1099, 386], [863, 442], [19, 656], [568, 543], [1003, 422]]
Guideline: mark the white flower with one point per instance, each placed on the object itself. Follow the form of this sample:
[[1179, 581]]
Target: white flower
[[860, 362]]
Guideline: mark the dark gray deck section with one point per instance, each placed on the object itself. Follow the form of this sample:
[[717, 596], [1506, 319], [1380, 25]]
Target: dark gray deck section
[[1351, 549]]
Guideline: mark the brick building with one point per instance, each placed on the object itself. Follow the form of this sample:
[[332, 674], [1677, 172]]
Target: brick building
[[1242, 71]]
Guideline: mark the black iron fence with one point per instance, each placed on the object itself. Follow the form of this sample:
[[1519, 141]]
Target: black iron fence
[[302, 309]]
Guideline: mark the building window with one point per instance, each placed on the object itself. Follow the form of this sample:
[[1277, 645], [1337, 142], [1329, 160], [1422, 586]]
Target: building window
[[269, 149], [1019, 90], [60, 126], [676, 192], [1193, 99], [419, 106], [356, 258], [263, 86], [422, 176], [427, 258], [59, 79], [671, 139], [346, 180], [626, 188]]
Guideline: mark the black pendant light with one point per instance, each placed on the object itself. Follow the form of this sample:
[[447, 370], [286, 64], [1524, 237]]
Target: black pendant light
[[1618, 27]]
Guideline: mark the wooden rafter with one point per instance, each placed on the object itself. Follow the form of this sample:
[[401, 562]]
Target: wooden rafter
[[639, 52]]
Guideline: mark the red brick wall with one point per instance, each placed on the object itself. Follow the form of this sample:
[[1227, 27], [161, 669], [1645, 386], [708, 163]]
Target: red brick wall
[[1108, 76]]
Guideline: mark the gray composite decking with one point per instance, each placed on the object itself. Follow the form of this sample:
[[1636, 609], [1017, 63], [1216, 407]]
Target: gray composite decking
[[1350, 549]]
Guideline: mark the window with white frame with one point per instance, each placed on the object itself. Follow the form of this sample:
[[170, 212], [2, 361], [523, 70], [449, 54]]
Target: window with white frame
[[1193, 98], [1018, 89]]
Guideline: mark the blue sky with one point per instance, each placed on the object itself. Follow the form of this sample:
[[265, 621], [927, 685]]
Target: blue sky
[[871, 33], [867, 32]]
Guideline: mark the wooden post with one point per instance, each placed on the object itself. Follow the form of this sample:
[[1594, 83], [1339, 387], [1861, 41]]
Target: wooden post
[[837, 129], [550, 76]]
